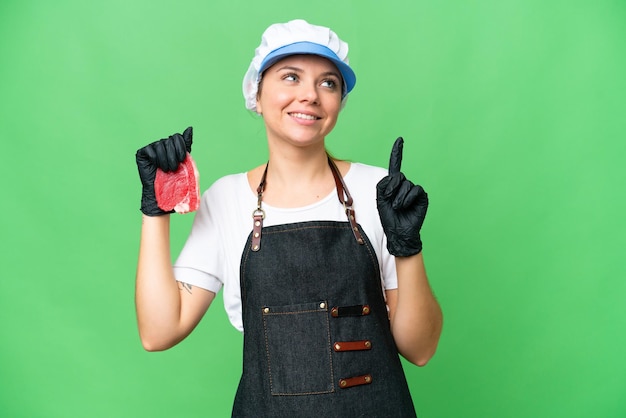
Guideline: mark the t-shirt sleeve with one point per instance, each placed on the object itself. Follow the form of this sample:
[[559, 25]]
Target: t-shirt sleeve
[[199, 261], [388, 268], [362, 181]]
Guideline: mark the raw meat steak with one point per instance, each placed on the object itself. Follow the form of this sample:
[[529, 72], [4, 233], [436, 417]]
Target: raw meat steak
[[180, 189]]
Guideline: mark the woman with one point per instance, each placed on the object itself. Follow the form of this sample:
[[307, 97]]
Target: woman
[[326, 277]]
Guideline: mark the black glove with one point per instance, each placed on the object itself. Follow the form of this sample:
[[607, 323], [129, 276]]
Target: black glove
[[165, 154], [402, 207]]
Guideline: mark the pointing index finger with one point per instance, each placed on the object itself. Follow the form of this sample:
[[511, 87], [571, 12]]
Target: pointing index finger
[[188, 137], [395, 160]]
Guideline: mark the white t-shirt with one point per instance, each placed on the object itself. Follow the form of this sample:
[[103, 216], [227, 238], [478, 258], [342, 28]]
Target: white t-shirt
[[211, 256]]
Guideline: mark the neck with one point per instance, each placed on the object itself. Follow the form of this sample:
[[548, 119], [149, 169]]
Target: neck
[[297, 170], [297, 180]]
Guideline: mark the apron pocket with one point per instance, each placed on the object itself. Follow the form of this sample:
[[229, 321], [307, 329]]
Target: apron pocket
[[297, 343]]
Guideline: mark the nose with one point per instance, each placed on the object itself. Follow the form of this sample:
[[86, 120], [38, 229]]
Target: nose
[[308, 93]]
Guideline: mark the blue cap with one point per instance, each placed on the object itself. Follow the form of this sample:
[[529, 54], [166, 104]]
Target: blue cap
[[311, 48]]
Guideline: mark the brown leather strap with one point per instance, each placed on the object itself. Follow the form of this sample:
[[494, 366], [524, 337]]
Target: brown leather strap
[[259, 214], [340, 346], [349, 382], [356, 310], [346, 200], [257, 225]]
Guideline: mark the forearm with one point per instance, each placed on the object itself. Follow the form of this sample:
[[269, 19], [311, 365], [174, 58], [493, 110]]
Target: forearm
[[157, 297], [415, 315]]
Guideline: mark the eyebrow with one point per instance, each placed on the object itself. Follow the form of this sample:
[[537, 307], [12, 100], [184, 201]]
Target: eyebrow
[[299, 70]]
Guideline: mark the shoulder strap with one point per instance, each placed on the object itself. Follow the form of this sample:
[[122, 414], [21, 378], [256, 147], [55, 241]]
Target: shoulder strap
[[346, 200]]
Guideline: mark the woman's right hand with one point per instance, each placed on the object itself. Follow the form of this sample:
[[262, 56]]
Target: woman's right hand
[[402, 207], [165, 154]]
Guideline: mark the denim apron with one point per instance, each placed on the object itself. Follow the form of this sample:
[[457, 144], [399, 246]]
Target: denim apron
[[317, 340]]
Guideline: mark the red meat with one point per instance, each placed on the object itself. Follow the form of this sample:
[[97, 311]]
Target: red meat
[[178, 190]]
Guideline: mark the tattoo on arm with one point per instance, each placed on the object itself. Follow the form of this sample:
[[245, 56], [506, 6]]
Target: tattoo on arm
[[184, 286]]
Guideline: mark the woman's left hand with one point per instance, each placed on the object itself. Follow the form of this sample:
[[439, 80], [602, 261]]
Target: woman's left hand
[[402, 207]]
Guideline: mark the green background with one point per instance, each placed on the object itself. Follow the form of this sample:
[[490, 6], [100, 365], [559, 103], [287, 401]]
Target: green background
[[513, 115]]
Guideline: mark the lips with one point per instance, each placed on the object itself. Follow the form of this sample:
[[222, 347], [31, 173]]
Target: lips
[[304, 116]]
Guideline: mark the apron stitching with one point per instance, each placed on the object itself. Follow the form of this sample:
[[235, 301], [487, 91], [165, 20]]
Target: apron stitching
[[328, 346], [342, 225], [330, 354], [267, 353]]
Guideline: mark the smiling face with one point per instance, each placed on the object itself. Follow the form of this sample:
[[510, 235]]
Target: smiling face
[[300, 99]]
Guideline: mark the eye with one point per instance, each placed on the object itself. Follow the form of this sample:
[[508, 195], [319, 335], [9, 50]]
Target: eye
[[290, 77], [330, 83]]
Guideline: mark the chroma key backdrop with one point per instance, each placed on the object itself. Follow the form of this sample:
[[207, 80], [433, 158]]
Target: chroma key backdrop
[[513, 116]]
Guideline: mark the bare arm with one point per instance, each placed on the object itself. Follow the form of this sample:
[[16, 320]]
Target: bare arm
[[167, 311], [415, 315]]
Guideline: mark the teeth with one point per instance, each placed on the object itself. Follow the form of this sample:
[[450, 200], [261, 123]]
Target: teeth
[[303, 116]]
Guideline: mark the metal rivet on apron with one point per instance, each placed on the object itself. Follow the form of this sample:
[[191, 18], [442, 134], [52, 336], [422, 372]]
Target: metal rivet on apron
[[337, 346], [257, 223], [266, 310], [355, 381], [255, 248], [322, 305], [256, 235], [366, 310], [368, 344]]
